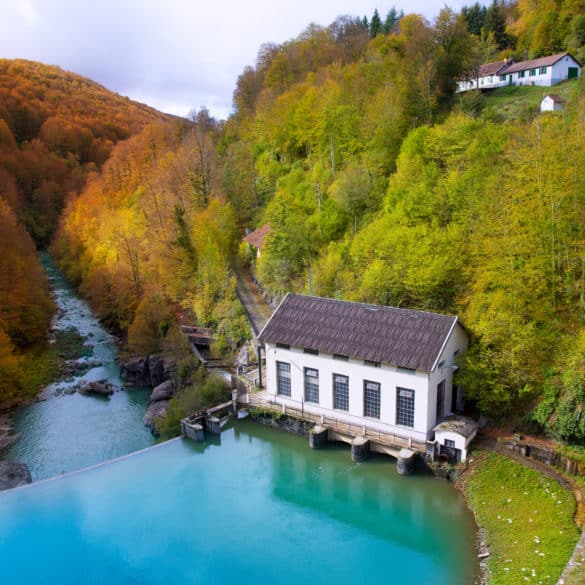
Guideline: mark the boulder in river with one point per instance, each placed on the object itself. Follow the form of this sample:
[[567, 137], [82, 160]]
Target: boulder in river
[[151, 371], [164, 391], [13, 475], [135, 371], [155, 411], [102, 388]]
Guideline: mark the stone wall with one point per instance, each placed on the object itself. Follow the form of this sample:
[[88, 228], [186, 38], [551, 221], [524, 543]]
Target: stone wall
[[282, 422], [544, 455]]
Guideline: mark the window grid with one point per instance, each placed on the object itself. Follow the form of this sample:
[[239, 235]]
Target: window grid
[[542, 71], [311, 385], [283, 378], [405, 407], [371, 399], [340, 392]]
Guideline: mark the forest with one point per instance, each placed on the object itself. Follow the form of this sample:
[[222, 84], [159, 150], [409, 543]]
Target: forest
[[379, 183]]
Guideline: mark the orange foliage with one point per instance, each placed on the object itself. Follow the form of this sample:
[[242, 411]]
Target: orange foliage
[[55, 127]]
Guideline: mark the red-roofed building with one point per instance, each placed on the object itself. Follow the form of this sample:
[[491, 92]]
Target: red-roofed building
[[256, 238]]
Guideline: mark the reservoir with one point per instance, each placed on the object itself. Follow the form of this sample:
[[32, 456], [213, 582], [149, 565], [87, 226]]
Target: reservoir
[[254, 505]]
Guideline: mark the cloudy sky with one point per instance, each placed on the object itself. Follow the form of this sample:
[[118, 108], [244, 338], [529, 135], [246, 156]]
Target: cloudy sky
[[175, 55]]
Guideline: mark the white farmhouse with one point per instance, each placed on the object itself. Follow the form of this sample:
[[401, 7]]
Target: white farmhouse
[[387, 369], [488, 77], [545, 71], [552, 102]]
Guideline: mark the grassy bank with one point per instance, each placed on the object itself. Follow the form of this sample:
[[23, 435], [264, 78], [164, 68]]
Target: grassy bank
[[42, 366], [528, 519]]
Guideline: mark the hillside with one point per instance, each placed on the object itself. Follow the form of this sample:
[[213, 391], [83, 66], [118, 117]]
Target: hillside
[[516, 102], [55, 128]]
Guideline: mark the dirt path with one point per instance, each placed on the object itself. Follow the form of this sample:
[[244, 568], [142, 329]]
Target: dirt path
[[257, 309]]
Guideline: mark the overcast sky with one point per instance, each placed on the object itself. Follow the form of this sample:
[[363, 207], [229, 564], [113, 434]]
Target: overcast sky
[[175, 55]]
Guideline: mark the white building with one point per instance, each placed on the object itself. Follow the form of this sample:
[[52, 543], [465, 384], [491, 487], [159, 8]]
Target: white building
[[545, 71], [390, 369], [552, 103]]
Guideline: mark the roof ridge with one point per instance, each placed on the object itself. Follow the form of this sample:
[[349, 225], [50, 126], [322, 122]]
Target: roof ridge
[[372, 305]]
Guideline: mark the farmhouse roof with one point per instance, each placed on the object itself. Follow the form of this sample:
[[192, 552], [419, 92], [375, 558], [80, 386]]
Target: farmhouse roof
[[256, 238], [492, 68], [401, 337], [535, 63]]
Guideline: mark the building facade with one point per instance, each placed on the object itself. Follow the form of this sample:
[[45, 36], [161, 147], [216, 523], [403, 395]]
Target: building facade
[[545, 71], [386, 368]]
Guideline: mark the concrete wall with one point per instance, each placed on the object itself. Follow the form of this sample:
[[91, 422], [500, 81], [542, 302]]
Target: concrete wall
[[388, 376]]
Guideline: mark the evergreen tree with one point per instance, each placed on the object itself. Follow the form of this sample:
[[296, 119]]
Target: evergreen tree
[[365, 23], [375, 24], [495, 22], [392, 19], [475, 17]]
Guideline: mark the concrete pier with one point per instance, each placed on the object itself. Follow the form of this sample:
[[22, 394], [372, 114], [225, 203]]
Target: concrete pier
[[193, 431], [405, 461], [318, 437], [360, 449]]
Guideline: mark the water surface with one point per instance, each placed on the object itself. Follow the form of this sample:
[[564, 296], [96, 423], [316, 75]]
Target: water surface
[[254, 506], [65, 432]]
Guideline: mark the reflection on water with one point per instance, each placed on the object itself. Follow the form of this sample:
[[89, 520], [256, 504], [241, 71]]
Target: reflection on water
[[66, 432], [260, 507]]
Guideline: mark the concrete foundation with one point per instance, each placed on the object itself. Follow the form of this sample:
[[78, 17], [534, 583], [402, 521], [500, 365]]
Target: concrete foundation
[[360, 449], [405, 462], [318, 437], [213, 425], [193, 431]]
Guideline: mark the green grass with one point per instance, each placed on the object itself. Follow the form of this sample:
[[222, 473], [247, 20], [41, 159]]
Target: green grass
[[515, 102], [528, 520]]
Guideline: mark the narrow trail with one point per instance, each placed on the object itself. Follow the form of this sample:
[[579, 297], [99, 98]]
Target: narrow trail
[[257, 309]]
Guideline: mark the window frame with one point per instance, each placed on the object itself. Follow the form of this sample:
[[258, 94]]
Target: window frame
[[309, 392], [336, 405], [399, 407], [367, 408], [279, 378]]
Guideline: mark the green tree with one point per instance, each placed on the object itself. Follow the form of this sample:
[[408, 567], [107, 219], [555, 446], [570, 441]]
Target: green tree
[[375, 24]]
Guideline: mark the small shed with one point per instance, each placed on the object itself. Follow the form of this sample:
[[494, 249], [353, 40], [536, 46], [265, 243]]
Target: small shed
[[453, 436], [552, 103], [256, 238]]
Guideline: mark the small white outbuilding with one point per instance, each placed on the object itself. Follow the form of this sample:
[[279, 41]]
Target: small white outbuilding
[[453, 436], [552, 103]]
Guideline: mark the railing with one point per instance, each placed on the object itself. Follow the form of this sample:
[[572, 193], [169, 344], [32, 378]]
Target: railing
[[383, 437]]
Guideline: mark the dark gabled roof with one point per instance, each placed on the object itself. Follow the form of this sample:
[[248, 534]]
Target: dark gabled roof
[[554, 97], [401, 337], [535, 63], [256, 238], [492, 68]]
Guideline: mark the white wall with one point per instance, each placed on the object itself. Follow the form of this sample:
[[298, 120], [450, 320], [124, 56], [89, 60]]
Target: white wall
[[554, 74], [457, 341], [388, 376]]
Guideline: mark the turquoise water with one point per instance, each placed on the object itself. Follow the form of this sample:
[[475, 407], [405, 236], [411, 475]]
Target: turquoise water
[[63, 431], [255, 506]]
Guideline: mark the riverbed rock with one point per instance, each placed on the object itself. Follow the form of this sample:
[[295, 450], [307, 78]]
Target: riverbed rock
[[135, 371], [102, 388], [164, 391], [155, 411], [13, 475]]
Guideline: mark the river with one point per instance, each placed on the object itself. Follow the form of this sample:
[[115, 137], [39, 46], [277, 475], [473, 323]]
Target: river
[[63, 432]]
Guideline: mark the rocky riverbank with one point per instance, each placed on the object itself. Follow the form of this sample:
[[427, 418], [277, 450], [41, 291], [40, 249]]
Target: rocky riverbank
[[157, 372]]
